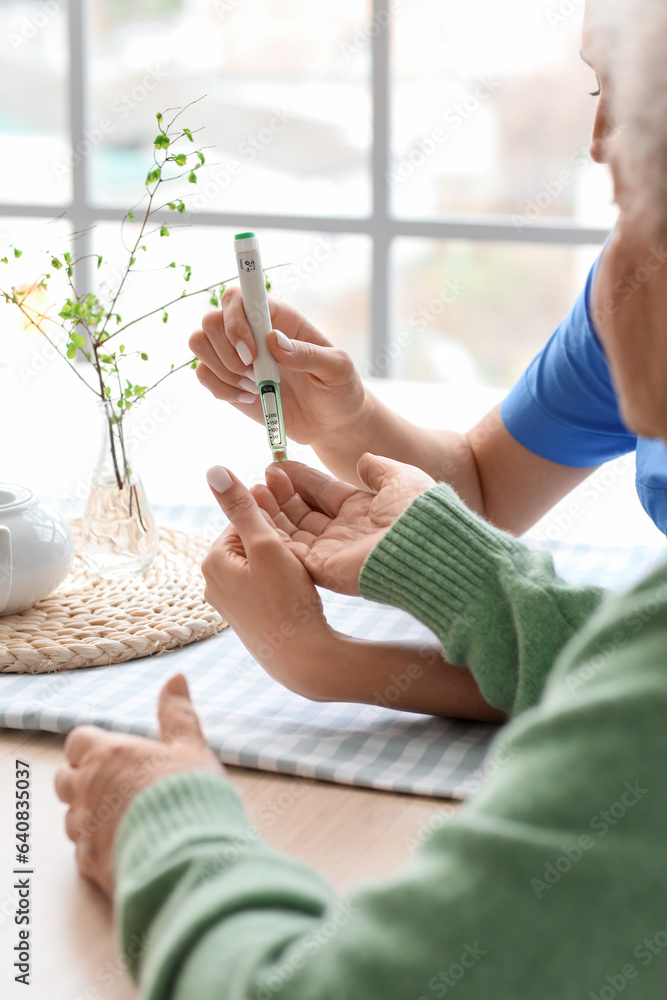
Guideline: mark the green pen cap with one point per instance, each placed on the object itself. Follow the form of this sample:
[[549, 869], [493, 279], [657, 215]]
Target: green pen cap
[[244, 236]]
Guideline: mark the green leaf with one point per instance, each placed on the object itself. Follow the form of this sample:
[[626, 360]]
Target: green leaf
[[186, 131], [144, 357], [173, 264], [162, 141], [78, 339], [165, 317], [4, 261], [164, 231], [106, 358], [99, 262], [130, 216], [195, 363], [71, 351], [128, 406], [153, 175], [187, 272], [107, 390], [171, 206], [214, 299], [133, 261], [201, 157], [267, 283], [56, 263], [159, 116], [181, 207], [192, 177], [122, 348], [68, 258], [17, 252], [180, 159]]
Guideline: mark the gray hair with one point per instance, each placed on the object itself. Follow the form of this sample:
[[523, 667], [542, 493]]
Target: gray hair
[[633, 42]]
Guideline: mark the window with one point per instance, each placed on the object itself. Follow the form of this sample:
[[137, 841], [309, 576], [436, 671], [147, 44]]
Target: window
[[422, 167]]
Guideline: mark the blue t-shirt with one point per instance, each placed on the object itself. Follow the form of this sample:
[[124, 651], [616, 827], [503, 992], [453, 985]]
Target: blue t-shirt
[[565, 408]]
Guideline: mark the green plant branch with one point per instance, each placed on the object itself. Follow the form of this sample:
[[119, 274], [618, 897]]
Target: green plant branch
[[172, 371], [44, 316], [188, 295]]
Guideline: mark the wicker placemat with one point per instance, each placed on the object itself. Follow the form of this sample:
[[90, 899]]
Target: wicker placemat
[[90, 622]]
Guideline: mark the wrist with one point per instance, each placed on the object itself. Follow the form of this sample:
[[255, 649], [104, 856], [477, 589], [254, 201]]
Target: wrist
[[306, 662], [341, 447]]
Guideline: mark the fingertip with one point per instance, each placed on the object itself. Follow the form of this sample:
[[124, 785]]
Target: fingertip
[[177, 685], [218, 479], [284, 342], [244, 352]]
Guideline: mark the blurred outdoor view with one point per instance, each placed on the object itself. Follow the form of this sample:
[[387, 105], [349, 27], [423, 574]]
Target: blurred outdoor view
[[489, 104]]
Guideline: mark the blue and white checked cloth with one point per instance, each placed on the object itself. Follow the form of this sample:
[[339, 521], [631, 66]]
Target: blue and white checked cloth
[[253, 721]]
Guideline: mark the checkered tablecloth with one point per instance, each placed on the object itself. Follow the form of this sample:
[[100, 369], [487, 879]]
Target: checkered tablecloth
[[253, 721]]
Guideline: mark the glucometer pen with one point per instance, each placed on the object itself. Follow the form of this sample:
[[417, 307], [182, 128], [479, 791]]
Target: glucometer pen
[[256, 305]]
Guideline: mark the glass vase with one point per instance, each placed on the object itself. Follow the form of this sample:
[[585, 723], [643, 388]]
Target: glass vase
[[119, 535]]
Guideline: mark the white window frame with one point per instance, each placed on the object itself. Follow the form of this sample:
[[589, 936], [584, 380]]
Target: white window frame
[[380, 226]]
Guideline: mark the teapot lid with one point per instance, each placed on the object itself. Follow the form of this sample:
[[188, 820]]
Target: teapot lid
[[13, 496]]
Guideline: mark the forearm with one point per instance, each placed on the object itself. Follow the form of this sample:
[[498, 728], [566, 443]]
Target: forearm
[[496, 606], [403, 676], [444, 455]]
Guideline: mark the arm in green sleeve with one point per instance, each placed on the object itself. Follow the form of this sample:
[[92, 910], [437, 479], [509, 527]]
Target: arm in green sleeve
[[496, 606], [551, 883]]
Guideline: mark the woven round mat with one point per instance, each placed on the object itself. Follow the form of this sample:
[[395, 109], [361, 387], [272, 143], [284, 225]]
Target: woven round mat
[[91, 622]]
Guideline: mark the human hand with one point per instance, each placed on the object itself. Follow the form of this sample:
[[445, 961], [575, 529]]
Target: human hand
[[332, 526], [320, 389], [263, 591], [105, 771]]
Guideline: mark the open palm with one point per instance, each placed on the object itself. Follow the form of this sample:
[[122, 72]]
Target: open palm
[[331, 526]]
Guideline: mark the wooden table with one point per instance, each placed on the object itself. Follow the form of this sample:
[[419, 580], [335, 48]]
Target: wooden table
[[348, 834]]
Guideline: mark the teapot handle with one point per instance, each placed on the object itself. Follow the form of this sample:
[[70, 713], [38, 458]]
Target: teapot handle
[[5, 566]]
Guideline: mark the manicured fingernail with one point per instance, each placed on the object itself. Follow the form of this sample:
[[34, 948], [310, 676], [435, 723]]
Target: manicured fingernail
[[284, 341], [248, 384], [246, 397], [244, 352], [218, 479]]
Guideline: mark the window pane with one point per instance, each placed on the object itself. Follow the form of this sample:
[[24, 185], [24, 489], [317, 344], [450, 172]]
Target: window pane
[[478, 313], [315, 267], [286, 111], [35, 167], [491, 113]]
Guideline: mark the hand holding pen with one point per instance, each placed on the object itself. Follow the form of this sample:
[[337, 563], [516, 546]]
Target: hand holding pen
[[323, 396]]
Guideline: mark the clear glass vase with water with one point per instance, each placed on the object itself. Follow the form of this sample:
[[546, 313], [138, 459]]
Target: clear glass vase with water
[[119, 535]]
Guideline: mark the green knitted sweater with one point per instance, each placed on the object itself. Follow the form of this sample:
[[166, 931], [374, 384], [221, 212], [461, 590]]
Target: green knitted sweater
[[550, 883]]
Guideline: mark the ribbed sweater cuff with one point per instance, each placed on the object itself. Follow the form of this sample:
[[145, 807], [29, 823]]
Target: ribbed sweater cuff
[[175, 811], [437, 562]]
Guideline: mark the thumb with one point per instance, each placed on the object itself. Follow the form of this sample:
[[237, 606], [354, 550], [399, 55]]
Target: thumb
[[177, 717], [375, 471], [327, 363], [240, 506]]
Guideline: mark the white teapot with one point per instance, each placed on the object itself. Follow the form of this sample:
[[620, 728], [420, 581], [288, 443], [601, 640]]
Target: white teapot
[[36, 549]]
